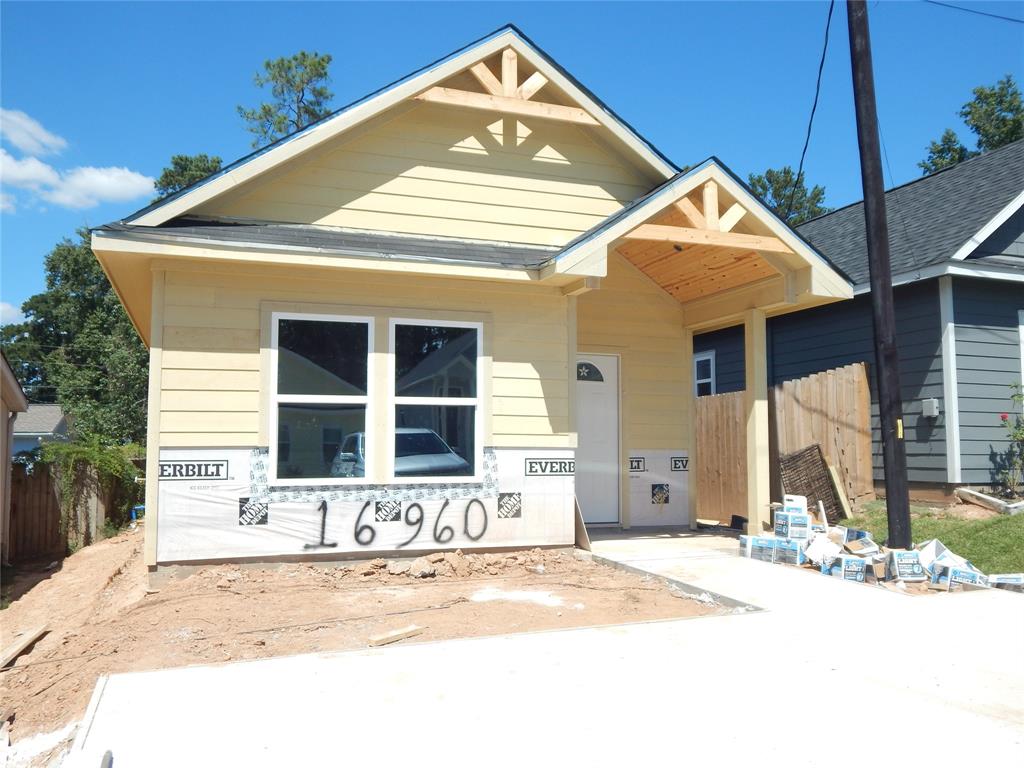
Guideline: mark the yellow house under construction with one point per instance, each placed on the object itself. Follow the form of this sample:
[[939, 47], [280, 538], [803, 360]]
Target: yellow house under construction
[[441, 317]]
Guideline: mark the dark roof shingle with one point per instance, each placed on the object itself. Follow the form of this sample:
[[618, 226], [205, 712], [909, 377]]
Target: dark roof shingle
[[929, 218]]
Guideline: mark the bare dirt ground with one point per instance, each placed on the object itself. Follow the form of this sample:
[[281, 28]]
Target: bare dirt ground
[[963, 511], [103, 618]]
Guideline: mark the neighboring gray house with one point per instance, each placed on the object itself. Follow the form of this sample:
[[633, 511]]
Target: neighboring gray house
[[957, 245], [39, 424]]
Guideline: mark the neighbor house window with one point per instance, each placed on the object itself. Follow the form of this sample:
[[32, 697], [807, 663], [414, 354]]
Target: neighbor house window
[[320, 396], [704, 373], [436, 391]]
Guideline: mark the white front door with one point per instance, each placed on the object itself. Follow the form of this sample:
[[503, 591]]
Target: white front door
[[597, 420]]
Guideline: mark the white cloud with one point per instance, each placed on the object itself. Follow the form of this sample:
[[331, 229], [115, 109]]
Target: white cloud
[[86, 187], [27, 134], [10, 313], [82, 187], [26, 173]]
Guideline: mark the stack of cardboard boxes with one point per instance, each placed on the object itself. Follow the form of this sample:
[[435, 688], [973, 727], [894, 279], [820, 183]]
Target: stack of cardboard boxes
[[804, 539]]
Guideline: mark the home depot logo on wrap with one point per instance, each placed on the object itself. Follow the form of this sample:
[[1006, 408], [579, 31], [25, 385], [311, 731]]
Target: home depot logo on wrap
[[253, 512]]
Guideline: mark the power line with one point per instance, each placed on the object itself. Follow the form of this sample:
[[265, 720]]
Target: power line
[[977, 13], [814, 108]]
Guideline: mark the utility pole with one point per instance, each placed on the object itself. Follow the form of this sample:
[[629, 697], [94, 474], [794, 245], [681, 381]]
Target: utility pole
[[887, 370]]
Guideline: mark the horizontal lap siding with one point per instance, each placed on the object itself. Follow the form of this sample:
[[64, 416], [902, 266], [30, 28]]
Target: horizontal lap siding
[[815, 340], [987, 363], [730, 365], [634, 318], [450, 173], [211, 375]]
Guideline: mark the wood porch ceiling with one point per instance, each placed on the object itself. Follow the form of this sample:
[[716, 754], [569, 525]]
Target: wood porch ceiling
[[691, 254]]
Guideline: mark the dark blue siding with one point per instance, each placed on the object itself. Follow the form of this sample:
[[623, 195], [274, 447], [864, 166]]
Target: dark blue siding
[[730, 367], [987, 363]]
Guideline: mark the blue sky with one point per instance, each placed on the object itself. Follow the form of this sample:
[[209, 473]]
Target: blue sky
[[109, 91]]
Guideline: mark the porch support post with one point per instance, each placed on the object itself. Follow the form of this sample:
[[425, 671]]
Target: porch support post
[[758, 467], [689, 430]]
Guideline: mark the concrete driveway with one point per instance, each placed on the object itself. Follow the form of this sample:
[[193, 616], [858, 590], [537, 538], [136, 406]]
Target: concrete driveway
[[828, 674]]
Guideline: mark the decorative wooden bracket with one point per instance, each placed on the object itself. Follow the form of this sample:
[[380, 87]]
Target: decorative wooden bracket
[[708, 227], [507, 95]]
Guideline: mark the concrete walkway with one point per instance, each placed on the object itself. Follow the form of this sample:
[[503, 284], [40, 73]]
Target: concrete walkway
[[828, 674]]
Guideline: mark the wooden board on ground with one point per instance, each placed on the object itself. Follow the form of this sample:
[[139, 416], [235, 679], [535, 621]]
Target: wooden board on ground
[[395, 635], [837, 486], [20, 643], [582, 537]]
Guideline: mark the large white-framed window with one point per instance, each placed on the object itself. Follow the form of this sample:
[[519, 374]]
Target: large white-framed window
[[704, 373], [435, 400], [321, 380]]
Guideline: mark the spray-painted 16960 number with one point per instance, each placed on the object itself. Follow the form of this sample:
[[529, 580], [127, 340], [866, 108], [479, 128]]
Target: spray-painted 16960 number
[[474, 524]]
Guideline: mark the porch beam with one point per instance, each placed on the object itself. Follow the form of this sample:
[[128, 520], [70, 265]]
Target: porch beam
[[731, 217], [756, 397], [690, 413], [686, 235], [454, 97], [579, 287], [486, 78], [711, 205], [509, 73], [531, 85], [691, 212]]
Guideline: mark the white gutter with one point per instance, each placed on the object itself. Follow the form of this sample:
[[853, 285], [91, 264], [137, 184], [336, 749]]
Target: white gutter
[[950, 268]]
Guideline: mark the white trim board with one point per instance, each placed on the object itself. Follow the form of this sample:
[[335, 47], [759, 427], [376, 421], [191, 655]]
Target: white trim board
[[1020, 334], [405, 89], [949, 268], [986, 231], [950, 389]]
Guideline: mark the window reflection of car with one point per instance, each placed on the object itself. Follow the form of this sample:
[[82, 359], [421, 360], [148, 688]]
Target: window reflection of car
[[418, 453]]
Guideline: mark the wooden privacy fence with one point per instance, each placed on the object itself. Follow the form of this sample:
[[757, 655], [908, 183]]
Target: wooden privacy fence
[[832, 409], [35, 528], [721, 456], [35, 515]]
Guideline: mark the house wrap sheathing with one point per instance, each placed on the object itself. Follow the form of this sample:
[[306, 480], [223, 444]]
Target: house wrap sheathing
[[441, 318]]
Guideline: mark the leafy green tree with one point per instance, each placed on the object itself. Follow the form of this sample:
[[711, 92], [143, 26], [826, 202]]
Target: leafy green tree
[[996, 117], [946, 152], [788, 196], [300, 96], [184, 171], [78, 347], [995, 114]]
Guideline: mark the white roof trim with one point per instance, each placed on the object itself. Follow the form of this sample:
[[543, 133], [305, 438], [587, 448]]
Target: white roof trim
[[950, 268], [362, 111], [985, 232], [13, 394]]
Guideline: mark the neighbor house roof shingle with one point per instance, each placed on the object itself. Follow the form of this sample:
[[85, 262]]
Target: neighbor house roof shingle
[[39, 419], [929, 218]]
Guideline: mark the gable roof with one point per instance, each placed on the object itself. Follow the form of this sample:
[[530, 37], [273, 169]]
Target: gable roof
[[40, 419], [932, 220], [663, 195], [361, 110]]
